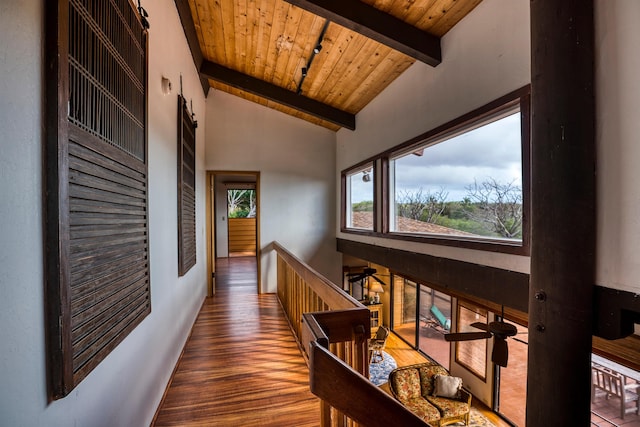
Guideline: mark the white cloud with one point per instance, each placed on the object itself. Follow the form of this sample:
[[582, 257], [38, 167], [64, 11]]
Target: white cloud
[[492, 151]]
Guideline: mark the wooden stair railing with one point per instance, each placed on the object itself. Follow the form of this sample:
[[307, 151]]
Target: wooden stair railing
[[303, 290], [333, 329], [347, 396]]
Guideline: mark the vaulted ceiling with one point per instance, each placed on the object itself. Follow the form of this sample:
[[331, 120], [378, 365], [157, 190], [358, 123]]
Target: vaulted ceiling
[[263, 50]]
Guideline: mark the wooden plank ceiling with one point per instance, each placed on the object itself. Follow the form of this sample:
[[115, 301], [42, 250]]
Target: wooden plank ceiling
[[257, 49]]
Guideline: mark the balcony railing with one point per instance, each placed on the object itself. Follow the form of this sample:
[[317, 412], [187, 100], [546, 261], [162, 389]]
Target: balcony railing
[[333, 329]]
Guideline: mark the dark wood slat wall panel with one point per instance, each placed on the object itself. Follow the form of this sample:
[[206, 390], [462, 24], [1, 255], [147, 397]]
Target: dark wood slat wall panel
[[98, 286], [108, 251], [186, 188]]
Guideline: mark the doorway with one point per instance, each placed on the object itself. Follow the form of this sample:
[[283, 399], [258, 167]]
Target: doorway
[[241, 219], [233, 219]]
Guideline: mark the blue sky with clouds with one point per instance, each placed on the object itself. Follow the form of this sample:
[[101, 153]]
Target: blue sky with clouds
[[492, 151]]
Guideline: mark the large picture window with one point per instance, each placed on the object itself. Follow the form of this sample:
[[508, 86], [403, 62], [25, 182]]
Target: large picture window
[[468, 184], [464, 183]]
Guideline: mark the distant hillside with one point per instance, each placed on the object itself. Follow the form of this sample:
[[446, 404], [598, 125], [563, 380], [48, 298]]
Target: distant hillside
[[365, 220]]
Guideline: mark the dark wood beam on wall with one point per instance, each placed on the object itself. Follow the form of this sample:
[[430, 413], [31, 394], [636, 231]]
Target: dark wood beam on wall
[[563, 218], [277, 94], [449, 275], [184, 11], [379, 26], [616, 313]]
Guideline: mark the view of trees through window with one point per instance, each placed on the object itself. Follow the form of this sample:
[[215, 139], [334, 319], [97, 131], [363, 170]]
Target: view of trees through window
[[466, 185], [241, 203]]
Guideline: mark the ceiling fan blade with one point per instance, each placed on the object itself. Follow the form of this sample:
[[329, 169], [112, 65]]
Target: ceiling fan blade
[[357, 278], [467, 336], [481, 325], [378, 280], [500, 353]]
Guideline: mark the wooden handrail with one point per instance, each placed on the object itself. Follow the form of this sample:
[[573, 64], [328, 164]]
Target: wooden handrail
[[334, 329], [326, 290]]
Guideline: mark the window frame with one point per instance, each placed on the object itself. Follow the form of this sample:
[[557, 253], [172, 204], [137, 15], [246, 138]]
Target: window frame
[[345, 199], [518, 98], [478, 310]]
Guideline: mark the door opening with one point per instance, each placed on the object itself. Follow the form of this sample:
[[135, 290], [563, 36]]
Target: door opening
[[241, 215], [234, 221]]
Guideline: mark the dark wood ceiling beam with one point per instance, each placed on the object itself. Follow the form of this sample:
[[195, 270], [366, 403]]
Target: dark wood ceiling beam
[[277, 94], [189, 28], [378, 26]]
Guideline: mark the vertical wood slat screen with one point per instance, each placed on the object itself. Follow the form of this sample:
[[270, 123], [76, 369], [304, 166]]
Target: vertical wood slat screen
[[186, 188], [98, 286]]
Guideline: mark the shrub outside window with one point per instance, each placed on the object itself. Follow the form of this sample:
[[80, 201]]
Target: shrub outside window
[[467, 184], [359, 198]]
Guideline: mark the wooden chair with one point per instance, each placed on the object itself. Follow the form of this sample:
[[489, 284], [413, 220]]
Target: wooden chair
[[614, 384], [377, 344]]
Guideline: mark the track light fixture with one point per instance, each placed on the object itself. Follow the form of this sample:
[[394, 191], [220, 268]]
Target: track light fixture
[[316, 50]]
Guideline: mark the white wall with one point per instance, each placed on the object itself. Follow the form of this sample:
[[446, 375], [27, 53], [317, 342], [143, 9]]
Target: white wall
[[618, 127], [485, 56], [125, 389], [296, 161]]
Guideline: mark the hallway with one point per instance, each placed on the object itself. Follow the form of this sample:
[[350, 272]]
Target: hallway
[[241, 365]]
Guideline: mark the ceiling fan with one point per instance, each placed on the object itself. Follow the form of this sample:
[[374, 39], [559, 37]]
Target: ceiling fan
[[367, 272], [499, 330]]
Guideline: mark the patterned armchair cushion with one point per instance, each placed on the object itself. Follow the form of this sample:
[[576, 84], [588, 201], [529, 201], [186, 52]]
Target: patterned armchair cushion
[[406, 384], [449, 407], [426, 377], [423, 409]]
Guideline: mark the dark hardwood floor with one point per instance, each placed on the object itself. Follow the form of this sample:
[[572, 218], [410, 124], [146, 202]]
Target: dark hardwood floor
[[241, 365]]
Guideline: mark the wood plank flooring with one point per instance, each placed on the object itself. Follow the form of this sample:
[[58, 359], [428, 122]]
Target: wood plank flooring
[[241, 365]]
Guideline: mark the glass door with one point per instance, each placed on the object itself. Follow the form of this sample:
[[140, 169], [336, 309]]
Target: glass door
[[511, 382], [404, 311], [435, 321]]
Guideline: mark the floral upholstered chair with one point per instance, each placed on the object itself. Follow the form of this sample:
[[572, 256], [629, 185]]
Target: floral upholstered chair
[[429, 391]]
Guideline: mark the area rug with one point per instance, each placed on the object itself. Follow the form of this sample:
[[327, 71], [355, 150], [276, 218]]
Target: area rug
[[476, 419], [379, 372]]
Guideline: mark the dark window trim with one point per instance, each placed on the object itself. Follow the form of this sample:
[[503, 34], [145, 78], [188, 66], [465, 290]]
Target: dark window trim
[[521, 97], [343, 198], [465, 305]]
